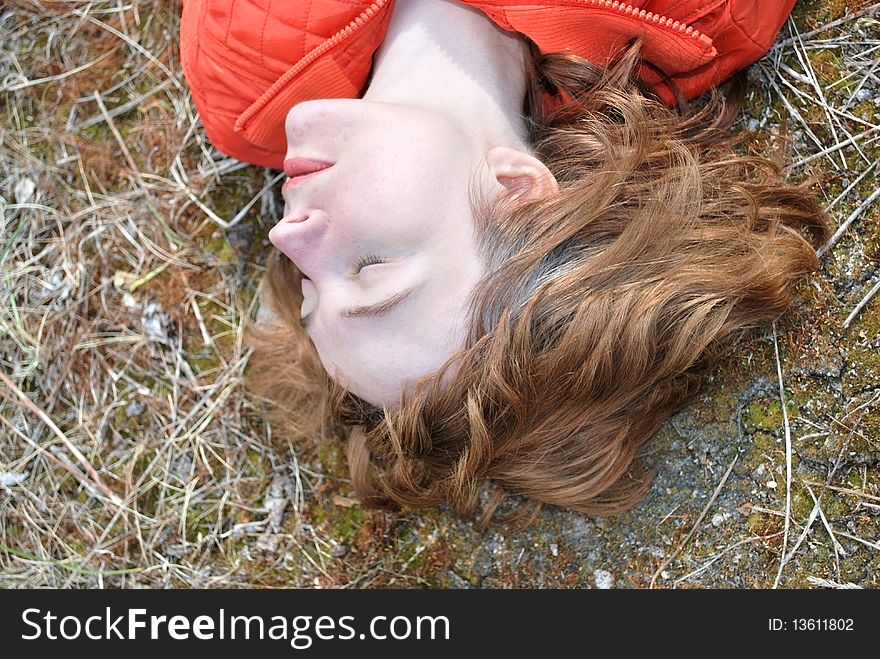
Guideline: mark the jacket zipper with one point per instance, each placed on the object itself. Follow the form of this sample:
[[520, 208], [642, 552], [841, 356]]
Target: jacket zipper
[[612, 5], [362, 19], [359, 22], [365, 17], [648, 17]]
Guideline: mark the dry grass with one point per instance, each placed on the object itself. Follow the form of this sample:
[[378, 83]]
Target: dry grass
[[130, 252]]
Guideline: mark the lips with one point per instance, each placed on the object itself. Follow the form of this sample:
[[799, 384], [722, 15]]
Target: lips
[[299, 169], [299, 166]]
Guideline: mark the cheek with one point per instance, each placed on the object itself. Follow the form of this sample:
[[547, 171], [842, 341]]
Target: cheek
[[382, 212], [413, 204]]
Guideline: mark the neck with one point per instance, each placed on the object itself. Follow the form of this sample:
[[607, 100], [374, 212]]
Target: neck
[[452, 57]]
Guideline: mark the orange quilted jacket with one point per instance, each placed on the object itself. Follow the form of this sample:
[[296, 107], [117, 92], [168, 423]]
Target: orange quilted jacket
[[249, 61]]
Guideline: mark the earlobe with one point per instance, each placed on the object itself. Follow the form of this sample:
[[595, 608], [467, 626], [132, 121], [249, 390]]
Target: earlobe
[[523, 176]]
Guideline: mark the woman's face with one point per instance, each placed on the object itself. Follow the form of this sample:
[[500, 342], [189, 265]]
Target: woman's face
[[384, 237]]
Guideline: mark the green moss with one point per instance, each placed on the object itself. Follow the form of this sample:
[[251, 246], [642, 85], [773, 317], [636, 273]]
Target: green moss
[[763, 441], [99, 133], [763, 415], [234, 192], [464, 568], [204, 363], [827, 65], [218, 245], [810, 14], [801, 504], [761, 523], [331, 456], [864, 371], [127, 426], [724, 403], [346, 523]]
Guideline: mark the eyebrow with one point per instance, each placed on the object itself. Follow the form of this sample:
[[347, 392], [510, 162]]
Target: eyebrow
[[368, 310]]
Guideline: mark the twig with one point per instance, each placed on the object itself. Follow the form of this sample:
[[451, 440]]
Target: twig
[[116, 134], [838, 548], [873, 399], [808, 68], [766, 511], [787, 458], [858, 88], [807, 528], [206, 338], [852, 185], [134, 45], [60, 76], [668, 515], [844, 490], [852, 218], [800, 119], [696, 525], [122, 108], [819, 30], [720, 554], [73, 471], [817, 511], [90, 470], [827, 583], [812, 100], [872, 545], [861, 305], [269, 185], [830, 149]]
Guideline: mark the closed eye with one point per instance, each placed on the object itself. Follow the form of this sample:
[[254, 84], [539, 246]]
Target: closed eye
[[365, 261]]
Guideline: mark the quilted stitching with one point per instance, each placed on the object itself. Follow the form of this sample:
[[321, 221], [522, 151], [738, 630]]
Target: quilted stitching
[[238, 49], [263, 32], [286, 35]]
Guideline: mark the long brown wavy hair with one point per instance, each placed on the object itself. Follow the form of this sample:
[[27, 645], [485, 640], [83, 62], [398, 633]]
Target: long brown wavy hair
[[600, 308]]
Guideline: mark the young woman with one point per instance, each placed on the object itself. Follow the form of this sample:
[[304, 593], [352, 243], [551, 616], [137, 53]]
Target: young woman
[[503, 257]]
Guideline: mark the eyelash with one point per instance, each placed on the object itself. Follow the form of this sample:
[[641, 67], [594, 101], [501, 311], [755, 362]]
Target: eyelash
[[364, 261]]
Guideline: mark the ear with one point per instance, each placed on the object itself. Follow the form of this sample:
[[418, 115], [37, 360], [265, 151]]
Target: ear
[[523, 176]]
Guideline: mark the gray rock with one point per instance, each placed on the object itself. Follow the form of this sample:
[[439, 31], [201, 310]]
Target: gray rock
[[604, 579]]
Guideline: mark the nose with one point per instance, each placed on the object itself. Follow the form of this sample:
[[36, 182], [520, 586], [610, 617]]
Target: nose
[[302, 237]]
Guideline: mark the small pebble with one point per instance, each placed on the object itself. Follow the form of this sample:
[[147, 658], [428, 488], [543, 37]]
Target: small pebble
[[155, 322], [554, 549], [604, 579], [24, 188], [719, 518], [10, 478], [864, 94], [771, 485], [135, 408], [338, 551]]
